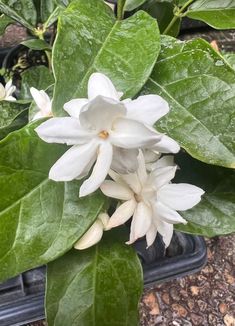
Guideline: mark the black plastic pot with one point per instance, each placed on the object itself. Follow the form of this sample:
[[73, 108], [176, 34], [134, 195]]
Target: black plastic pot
[[22, 298]]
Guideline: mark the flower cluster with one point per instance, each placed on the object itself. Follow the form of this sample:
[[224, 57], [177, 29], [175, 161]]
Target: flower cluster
[[7, 91], [114, 137]]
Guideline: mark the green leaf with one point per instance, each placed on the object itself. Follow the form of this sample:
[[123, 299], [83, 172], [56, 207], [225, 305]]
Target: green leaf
[[215, 214], [163, 12], [133, 4], [36, 44], [39, 77], [11, 117], [47, 7], [53, 17], [23, 11], [89, 39], [216, 13], [4, 22], [39, 219], [200, 89], [230, 58], [98, 286]]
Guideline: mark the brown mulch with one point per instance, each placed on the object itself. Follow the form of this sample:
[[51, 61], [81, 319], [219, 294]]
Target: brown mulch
[[206, 298]]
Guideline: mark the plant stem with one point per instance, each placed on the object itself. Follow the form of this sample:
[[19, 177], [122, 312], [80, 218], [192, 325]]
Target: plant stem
[[176, 16], [120, 7], [48, 54]]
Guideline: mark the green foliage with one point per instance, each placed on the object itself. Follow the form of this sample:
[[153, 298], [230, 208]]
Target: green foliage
[[199, 86], [36, 44], [39, 219], [215, 214], [4, 22], [133, 4], [89, 39], [98, 286]]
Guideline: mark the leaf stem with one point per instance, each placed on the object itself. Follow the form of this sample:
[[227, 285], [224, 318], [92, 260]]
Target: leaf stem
[[120, 7], [177, 14]]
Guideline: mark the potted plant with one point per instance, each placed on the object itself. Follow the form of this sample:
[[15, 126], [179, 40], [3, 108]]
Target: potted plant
[[124, 99]]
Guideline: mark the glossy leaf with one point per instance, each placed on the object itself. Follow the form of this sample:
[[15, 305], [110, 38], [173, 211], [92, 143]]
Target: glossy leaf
[[23, 11], [216, 13], [39, 77], [4, 22], [133, 4], [230, 58], [39, 219], [200, 88], [10, 117], [89, 39], [36, 44], [98, 286], [215, 214]]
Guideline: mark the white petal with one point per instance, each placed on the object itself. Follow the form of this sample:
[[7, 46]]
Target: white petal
[[129, 133], [141, 172], [141, 222], [150, 156], [8, 85], [92, 236], [100, 170], [167, 145], [166, 231], [64, 131], [180, 196], [38, 115], [73, 162], [167, 160], [147, 109], [162, 176], [2, 92], [99, 84], [42, 100], [10, 99], [151, 235], [10, 91], [166, 214], [122, 214], [73, 107], [104, 218], [132, 181], [124, 160], [100, 113], [116, 190]]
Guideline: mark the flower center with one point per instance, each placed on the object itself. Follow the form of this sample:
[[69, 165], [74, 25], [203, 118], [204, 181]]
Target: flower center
[[103, 134], [138, 198]]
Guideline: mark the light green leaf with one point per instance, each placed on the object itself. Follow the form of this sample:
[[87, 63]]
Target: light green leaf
[[230, 58], [23, 11], [200, 89], [39, 77], [215, 214], [39, 219], [133, 4], [36, 44], [216, 13], [98, 286], [11, 117], [53, 17], [4, 22], [89, 39]]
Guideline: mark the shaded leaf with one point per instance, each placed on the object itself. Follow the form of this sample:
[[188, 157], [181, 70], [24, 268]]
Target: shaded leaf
[[200, 88], [89, 39], [23, 11], [215, 214], [98, 286], [216, 13], [39, 219], [133, 4], [36, 44]]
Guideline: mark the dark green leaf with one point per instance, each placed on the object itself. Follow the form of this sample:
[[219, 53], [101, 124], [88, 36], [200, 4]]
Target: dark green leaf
[[36, 44], [163, 12], [39, 219], [10, 117], [4, 22], [46, 9], [216, 13], [23, 11], [39, 77], [215, 214], [98, 286], [200, 88], [89, 39], [133, 4]]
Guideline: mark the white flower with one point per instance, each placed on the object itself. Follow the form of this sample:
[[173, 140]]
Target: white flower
[[94, 234], [7, 91], [97, 128], [151, 199], [43, 103]]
